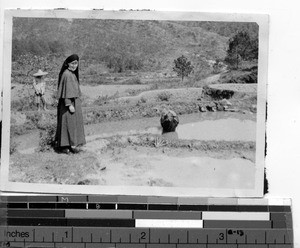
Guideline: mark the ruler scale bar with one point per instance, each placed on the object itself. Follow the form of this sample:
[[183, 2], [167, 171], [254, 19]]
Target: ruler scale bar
[[146, 235], [100, 205], [144, 222], [156, 203], [108, 213], [122, 222]]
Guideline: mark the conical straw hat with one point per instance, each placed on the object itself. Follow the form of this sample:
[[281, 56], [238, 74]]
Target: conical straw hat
[[40, 73]]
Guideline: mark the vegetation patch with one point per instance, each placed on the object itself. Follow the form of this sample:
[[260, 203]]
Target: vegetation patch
[[149, 140]]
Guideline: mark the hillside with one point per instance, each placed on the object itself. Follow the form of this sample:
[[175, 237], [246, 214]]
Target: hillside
[[126, 44]]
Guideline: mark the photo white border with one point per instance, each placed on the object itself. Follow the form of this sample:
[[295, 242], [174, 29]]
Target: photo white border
[[261, 19]]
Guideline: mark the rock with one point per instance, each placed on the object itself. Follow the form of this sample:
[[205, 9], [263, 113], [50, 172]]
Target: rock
[[220, 107], [133, 139], [84, 182], [232, 110], [150, 139], [123, 140], [202, 109], [225, 102], [211, 108]]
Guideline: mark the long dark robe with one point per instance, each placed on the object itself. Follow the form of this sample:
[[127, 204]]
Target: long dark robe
[[70, 129]]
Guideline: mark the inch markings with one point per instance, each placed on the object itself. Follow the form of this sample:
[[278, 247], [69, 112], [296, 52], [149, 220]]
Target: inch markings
[[147, 235]]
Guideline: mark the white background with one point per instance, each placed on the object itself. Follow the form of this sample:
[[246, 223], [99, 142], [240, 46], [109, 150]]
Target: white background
[[283, 125]]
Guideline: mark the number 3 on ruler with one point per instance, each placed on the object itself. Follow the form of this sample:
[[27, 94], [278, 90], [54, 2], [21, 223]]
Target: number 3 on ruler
[[221, 236]]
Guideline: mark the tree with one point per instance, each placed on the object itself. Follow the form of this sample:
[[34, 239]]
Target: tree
[[182, 67], [241, 47]]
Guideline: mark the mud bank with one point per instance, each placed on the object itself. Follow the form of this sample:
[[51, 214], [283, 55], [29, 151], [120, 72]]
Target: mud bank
[[142, 160]]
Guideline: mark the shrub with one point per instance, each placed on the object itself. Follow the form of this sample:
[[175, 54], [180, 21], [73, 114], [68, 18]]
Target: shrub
[[154, 86], [47, 138], [24, 104], [22, 129], [164, 96], [92, 70], [143, 99], [105, 99], [134, 92]]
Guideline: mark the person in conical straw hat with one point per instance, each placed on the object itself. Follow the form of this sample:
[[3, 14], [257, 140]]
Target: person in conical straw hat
[[40, 88]]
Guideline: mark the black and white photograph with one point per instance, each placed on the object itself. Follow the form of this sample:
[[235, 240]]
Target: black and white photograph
[[134, 102]]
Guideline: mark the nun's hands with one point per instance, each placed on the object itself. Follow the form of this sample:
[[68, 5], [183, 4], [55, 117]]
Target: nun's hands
[[72, 109]]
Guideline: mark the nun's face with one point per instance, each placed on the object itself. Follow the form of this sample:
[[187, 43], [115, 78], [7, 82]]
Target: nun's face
[[73, 65]]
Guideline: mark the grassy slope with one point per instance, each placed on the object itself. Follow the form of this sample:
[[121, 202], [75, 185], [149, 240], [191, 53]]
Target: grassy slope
[[161, 41]]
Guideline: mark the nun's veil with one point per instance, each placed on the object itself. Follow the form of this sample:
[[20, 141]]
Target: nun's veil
[[65, 66]]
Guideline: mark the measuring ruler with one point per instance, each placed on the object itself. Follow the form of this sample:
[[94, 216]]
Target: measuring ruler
[[155, 223]]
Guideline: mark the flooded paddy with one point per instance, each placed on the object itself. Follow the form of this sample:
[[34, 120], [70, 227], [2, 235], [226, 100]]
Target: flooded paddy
[[222, 129], [182, 167], [203, 126]]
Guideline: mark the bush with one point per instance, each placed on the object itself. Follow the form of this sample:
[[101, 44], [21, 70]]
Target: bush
[[16, 130], [101, 100], [143, 100], [47, 138], [164, 96], [134, 92], [92, 70], [218, 94], [24, 104]]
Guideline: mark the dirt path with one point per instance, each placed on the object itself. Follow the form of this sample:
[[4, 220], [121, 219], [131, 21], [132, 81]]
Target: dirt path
[[209, 80]]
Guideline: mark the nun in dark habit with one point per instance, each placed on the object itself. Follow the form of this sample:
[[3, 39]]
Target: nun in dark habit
[[70, 131]]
